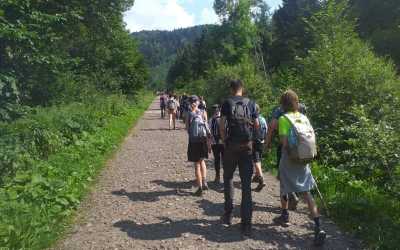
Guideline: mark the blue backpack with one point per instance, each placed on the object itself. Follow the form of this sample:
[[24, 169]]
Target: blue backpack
[[262, 132]]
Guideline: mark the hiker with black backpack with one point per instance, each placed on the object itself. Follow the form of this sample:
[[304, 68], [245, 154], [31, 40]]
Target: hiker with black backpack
[[163, 104], [258, 150], [217, 145], [172, 105], [198, 149], [298, 150], [239, 116]]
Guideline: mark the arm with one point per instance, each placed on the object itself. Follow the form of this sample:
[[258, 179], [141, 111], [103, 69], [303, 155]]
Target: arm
[[270, 133], [205, 116], [187, 122], [222, 124]]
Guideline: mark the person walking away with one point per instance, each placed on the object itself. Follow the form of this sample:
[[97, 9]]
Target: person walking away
[[298, 149], [182, 105], [272, 128], [172, 106], [177, 113], [239, 115], [163, 104], [203, 107], [258, 148], [216, 142], [197, 148]]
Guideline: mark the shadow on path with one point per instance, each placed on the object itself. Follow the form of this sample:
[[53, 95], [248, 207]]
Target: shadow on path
[[149, 196], [212, 230]]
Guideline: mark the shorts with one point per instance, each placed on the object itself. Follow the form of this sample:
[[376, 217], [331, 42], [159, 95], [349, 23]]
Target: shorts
[[258, 151], [197, 151]]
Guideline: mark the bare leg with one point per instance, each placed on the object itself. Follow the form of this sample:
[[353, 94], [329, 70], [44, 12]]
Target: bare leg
[[199, 176], [203, 169], [311, 204], [258, 169], [284, 202], [170, 120]]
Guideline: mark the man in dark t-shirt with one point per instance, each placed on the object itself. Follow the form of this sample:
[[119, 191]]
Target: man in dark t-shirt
[[240, 115]]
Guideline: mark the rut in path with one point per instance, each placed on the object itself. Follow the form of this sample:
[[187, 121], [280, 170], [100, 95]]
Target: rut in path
[[143, 201]]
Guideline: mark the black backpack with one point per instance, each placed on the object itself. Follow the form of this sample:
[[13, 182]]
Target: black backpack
[[215, 128], [240, 123]]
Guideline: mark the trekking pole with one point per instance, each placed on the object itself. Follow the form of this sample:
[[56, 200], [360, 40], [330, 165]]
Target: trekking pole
[[322, 198]]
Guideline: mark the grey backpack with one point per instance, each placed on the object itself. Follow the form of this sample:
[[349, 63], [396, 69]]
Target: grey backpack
[[302, 140], [198, 129]]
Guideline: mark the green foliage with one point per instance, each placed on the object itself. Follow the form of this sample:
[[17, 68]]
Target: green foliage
[[291, 37], [360, 207], [50, 49], [50, 158], [378, 22]]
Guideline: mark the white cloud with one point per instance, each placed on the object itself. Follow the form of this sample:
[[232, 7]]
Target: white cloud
[[157, 14], [208, 16]]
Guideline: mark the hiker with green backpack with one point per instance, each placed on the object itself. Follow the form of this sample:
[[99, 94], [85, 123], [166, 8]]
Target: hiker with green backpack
[[298, 150], [198, 149]]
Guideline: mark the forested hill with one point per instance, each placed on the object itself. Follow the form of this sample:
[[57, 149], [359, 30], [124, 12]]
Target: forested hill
[[160, 47]]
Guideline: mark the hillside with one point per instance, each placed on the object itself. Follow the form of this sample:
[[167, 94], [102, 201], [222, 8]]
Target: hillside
[[159, 49]]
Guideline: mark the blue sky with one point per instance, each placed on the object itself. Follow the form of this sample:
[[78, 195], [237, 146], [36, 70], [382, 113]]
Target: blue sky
[[172, 14]]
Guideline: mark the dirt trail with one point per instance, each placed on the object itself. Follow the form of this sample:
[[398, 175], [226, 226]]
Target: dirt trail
[[143, 201]]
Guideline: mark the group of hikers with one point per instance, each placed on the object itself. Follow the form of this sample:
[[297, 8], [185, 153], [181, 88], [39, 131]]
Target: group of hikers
[[237, 134]]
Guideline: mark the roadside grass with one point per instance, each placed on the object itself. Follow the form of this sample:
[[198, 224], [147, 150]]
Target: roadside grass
[[38, 201]]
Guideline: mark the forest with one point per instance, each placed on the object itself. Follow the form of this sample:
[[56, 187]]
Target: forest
[[342, 58], [159, 49]]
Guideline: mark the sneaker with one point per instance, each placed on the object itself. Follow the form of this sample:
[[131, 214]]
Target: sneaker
[[259, 187], [282, 220], [293, 201], [256, 179], [217, 180], [319, 236], [226, 219], [205, 186], [246, 230], [199, 192]]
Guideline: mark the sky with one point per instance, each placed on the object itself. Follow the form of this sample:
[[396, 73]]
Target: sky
[[172, 14]]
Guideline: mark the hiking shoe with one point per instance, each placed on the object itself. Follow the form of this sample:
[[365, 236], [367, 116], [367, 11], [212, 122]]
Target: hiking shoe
[[256, 179], [282, 220], [246, 230], [217, 180], [293, 201], [319, 236], [199, 192], [205, 186], [226, 219], [259, 187]]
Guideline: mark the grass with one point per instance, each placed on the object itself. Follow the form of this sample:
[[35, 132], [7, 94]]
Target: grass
[[37, 204]]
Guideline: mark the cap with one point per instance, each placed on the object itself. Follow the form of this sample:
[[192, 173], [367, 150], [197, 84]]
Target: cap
[[215, 106]]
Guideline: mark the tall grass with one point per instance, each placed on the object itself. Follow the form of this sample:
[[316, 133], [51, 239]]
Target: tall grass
[[58, 153]]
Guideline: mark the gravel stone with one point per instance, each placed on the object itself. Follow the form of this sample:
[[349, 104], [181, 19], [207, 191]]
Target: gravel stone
[[143, 200]]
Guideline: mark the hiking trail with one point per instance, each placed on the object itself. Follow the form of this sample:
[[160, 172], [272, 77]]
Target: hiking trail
[[143, 200]]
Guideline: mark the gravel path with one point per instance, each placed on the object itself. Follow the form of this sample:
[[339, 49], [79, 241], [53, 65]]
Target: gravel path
[[143, 201]]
